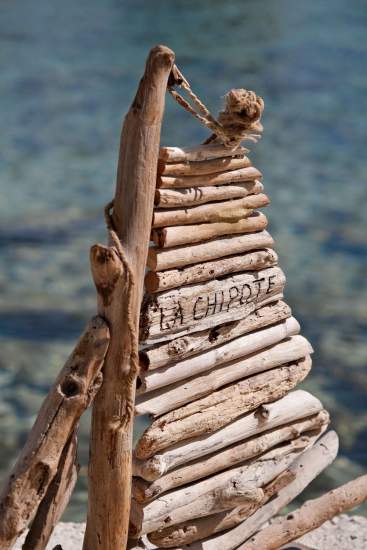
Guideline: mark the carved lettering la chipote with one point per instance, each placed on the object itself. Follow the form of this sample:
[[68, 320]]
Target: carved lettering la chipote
[[189, 307]]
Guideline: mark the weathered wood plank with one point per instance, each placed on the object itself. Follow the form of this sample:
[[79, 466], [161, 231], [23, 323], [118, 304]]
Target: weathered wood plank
[[294, 406], [161, 355], [223, 211], [144, 491], [235, 349], [199, 273], [178, 394], [304, 469], [160, 258], [211, 413], [213, 166], [174, 313], [193, 196], [270, 466], [240, 175], [199, 153], [209, 495], [186, 234]]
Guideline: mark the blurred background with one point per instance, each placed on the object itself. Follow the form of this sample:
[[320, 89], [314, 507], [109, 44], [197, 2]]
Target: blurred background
[[69, 73]]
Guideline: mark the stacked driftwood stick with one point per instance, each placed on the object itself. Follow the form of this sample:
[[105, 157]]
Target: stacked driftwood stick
[[231, 440]]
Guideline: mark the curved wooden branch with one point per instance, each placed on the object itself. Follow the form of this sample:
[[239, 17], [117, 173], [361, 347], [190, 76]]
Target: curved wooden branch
[[38, 462]]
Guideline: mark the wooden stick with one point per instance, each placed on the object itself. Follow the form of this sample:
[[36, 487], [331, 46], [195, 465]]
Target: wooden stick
[[213, 166], [160, 259], [193, 196], [199, 153], [223, 211], [235, 349], [199, 273], [144, 491], [37, 465], [305, 468], [159, 402], [210, 413], [310, 516], [294, 406], [209, 495], [56, 498], [120, 300], [186, 234], [192, 308], [176, 350], [234, 176], [268, 483]]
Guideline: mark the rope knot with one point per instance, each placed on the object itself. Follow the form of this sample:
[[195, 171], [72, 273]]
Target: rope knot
[[243, 111]]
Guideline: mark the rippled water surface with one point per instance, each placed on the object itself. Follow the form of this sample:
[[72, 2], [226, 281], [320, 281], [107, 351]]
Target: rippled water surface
[[69, 72]]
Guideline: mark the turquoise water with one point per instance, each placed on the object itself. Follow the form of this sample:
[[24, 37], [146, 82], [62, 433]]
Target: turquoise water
[[69, 72]]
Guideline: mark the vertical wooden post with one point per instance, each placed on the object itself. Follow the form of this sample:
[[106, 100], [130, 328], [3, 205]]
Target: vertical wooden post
[[111, 440]]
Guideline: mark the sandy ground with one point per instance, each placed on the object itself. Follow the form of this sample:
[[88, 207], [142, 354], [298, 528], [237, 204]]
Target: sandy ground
[[341, 533]]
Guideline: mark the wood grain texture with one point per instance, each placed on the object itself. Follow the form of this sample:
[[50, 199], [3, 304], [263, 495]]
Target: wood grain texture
[[176, 350], [193, 196], [160, 258], [199, 153], [174, 313], [111, 440], [37, 465], [177, 235], [310, 516], [235, 349], [56, 498], [211, 413], [213, 166], [304, 468], [144, 491], [233, 176], [209, 495], [266, 477], [163, 400], [294, 406]]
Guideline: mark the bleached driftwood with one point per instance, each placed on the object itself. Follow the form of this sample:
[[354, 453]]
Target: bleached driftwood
[[233, 176], [161, 401], [310, 516], [223, 211], [144, 491], [56, 498], [213, 166], [181, 348], [193, 196], [230, 351], [274, 464], [160, 259], [199, 273], [37, 465], [209, 495], [109, 487], [199, 153], [174, 313], [304, 469], [186, 234], [210, 413], [294, 406]]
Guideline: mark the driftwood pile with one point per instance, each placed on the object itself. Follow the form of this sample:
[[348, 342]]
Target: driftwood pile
[[231, 440]]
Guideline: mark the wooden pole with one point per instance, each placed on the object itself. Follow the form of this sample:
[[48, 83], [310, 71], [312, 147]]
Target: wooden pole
[[112, 421]]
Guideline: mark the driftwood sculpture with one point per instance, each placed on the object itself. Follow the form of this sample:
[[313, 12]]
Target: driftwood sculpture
[[201, 341]]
